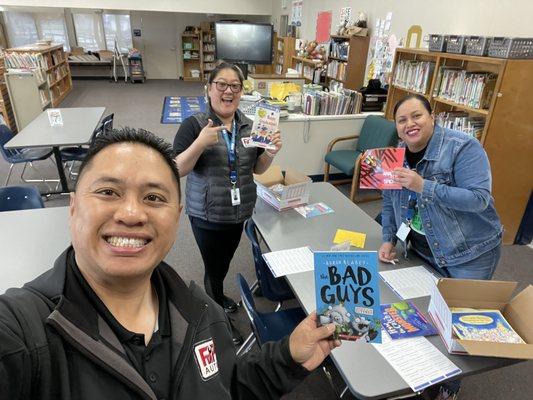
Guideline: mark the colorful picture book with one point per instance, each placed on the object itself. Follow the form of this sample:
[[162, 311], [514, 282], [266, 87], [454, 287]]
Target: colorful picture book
[[377, 167], [347, 294], [314, 210], [265, 124], [404, 320], [486, 326]]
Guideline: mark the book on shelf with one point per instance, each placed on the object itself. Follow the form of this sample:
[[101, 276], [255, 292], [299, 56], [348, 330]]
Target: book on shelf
[[404, 320], [337, 70], [347, 294], [472, 89], [463, 122], [339, 49], [18, 60], [265, 124], [483, 325], [318, 102], [413, 75], [377, 168]]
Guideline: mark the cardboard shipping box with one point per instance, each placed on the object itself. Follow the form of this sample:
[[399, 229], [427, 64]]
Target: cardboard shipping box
[[295, 192], [518, 311]]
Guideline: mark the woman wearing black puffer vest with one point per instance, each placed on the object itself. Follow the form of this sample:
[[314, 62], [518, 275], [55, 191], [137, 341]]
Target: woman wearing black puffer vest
[[220, 191]]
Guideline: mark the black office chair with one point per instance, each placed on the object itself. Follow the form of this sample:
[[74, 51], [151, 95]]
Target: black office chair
[[266, 327], [274, 289], [20, 198]]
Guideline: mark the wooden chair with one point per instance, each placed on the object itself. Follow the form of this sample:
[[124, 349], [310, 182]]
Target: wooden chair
[[376, 132]]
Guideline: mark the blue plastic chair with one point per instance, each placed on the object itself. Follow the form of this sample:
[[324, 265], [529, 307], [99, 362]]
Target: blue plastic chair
[[274, 289], [23, 155], [78, 153], [266, 327], [20, 198]]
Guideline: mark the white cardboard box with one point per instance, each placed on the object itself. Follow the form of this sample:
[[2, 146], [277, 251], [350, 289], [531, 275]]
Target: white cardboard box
[[295, 192], [483, 295]]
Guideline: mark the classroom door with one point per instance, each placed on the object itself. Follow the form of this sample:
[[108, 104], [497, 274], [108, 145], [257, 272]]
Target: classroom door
[[159, 42]]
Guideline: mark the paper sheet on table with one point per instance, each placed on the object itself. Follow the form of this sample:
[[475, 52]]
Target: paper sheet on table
[[292, 261], [357, 239], [409, 283], [417, 361]]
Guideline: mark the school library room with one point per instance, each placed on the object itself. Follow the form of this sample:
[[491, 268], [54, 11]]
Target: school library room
[[265, 199]]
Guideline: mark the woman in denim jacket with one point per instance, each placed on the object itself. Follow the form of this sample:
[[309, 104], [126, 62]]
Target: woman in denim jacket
[[446, 197]]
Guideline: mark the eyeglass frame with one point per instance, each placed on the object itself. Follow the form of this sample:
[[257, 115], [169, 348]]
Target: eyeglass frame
[[230, 85]]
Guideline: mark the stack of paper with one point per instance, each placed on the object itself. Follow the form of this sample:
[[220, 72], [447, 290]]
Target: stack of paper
[[409, 283], [290, 261]]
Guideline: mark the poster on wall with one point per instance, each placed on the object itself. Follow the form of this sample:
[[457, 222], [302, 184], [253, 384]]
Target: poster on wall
[[323, 26], [296, 14], [345, 15]]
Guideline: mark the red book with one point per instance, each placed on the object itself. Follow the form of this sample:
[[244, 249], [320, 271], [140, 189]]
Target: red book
[[377, 167]]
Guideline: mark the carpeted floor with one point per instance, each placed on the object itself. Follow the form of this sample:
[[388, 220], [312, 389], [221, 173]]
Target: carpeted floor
[[139, 105]]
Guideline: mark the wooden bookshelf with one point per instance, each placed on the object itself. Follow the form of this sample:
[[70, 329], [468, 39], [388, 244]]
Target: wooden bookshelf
[[5, 102], [57, 69], [192, 47], [308, 66], [508, 132], [351, 69], [284, 49], [208, 48]]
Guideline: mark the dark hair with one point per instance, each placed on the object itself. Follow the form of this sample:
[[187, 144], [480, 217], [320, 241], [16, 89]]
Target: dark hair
[[419, 97], [130, 135], [225, 65]]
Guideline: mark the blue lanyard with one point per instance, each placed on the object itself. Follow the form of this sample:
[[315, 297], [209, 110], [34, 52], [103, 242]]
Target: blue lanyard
[[232, 154], [411, 204]]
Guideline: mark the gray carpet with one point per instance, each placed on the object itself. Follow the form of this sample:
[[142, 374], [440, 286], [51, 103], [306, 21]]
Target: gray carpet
[[140, 105]]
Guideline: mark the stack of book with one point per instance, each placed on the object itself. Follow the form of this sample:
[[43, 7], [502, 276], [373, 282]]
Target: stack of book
[[472, 89], [331, 103], [461, 121], [413, 75]]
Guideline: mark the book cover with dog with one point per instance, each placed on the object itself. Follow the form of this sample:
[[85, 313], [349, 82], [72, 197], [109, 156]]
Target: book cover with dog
[[347, 294]]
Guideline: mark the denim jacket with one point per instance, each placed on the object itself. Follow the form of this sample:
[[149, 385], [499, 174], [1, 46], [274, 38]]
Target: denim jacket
[[456, 206]]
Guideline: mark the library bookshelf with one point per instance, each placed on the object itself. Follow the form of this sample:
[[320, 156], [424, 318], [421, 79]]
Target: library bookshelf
[[5, 102], [284, 49], [192, 47], [507, 134], [208, 48], [348, 66], [55, 67], [306, 67]]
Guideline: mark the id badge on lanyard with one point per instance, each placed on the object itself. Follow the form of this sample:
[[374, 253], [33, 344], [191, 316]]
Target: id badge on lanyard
[[405, 227], [232, 161]]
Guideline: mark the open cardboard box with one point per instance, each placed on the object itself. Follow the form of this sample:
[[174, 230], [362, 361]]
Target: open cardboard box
[[518, 311], [295, 192]]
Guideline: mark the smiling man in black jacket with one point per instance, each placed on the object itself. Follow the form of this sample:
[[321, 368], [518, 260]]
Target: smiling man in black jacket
[[110, 320]]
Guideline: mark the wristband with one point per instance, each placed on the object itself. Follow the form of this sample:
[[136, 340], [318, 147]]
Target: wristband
[[269, 154]]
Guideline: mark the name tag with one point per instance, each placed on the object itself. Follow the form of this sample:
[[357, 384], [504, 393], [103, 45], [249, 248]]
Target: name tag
[[235, 197], [403, 231]]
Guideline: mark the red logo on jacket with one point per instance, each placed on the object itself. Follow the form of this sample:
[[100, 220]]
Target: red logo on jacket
[[206, 358]]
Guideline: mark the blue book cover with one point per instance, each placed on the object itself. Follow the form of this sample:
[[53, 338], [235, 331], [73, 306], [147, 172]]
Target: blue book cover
[[347, 294], [404, 320]]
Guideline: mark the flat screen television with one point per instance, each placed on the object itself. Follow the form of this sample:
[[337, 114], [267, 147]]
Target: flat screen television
[[245, 42]]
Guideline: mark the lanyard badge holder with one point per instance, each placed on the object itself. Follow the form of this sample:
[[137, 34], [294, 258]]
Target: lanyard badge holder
[[405, 227], [232, 161]]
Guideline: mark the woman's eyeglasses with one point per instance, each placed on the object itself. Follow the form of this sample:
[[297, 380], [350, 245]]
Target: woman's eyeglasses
[[222, 86]]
